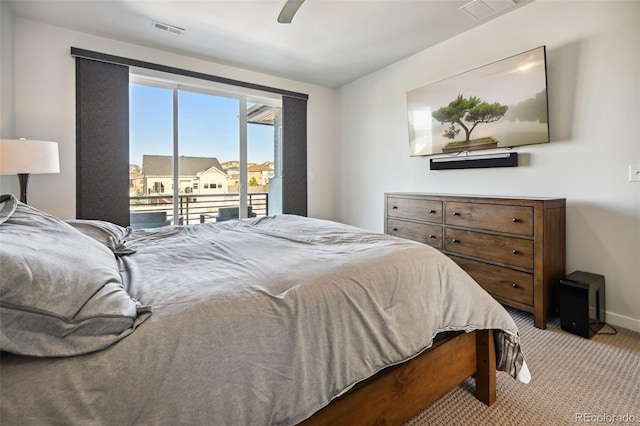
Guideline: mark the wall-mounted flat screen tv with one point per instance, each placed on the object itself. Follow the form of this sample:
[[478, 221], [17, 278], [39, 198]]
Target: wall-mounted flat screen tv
[[500, 105]]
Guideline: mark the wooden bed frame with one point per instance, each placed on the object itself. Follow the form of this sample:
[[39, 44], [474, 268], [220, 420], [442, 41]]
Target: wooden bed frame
[[398, 393]]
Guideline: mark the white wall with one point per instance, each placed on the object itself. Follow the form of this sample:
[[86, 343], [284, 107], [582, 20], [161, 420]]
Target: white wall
[[593, 63], [44, 81], [6, 71]]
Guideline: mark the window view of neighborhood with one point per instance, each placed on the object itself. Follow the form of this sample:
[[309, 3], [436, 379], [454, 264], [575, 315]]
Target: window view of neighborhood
[[209, 184], [198, 176]]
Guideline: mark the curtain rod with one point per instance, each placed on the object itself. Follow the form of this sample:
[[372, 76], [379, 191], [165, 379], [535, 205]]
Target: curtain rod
[[119, 60]]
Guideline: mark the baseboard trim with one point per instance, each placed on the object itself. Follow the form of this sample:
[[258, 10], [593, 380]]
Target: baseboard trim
[[623, 321]]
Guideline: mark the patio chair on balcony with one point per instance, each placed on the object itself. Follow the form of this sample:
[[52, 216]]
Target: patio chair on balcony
[[145, 220], [232, 212]]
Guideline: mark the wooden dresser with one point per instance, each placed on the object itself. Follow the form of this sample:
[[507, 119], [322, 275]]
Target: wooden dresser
[[513, 247]]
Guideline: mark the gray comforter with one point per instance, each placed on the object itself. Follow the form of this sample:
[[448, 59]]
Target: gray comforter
[[256, 322]]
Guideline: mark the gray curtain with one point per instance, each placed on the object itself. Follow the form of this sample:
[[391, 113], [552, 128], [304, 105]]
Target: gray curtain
[[294, 156], [102, 141]]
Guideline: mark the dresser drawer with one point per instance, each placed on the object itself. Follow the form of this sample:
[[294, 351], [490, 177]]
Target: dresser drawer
[[491, 217], [510, 251], [408, 208], [502, 282], [427, 234]]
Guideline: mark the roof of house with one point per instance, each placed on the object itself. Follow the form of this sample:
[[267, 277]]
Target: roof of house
[[162, 165]]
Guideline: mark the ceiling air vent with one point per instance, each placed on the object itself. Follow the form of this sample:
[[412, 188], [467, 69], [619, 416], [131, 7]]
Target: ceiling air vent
[[166, 27], [480, 9]]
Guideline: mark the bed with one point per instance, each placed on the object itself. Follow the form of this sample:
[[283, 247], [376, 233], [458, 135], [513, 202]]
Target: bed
[[270, 320]]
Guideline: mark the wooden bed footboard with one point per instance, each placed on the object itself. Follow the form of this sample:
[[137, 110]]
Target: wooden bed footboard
[[398, 393]]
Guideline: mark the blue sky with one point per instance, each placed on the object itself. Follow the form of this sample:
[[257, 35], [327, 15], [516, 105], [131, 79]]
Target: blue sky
[[208, 126]]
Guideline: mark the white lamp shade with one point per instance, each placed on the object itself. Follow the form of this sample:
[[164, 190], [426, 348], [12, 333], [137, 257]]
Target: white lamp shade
[[27, 156]]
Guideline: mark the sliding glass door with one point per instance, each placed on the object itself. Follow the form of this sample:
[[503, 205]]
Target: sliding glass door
[[201, 155]]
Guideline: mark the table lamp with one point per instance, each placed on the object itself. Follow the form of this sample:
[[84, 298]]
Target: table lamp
[[24, 157]]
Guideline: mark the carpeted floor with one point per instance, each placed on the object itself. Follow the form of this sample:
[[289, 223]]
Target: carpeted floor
[[574, 380]]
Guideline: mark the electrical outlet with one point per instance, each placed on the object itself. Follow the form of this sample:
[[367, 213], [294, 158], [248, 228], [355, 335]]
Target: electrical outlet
[[634, 173]]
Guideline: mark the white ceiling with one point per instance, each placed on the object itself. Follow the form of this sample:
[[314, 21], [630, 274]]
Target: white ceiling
[[329, 42]]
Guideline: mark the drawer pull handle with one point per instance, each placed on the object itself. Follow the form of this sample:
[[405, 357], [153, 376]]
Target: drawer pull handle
[[455, 241], [515, 252], [395, 229], [456, 214], [515, 285], [432, 236], [515, 220], [432, 211], [395, 207]]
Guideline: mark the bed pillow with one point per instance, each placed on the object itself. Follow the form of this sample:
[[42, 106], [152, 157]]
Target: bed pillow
[[107, 233], [60, 290]]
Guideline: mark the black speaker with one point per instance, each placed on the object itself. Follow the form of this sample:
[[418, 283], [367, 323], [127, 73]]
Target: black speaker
[[582, 303], [475, 161]]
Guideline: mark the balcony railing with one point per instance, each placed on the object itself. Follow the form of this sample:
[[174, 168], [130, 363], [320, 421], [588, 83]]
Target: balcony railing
[[198, 208]]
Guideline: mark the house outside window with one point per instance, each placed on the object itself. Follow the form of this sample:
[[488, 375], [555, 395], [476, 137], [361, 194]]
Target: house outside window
[[207, 125]]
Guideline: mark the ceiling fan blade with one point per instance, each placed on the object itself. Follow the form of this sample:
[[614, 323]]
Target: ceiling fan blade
[[289, 9]]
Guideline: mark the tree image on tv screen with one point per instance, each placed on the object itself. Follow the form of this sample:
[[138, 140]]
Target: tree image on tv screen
[[468, 113]]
